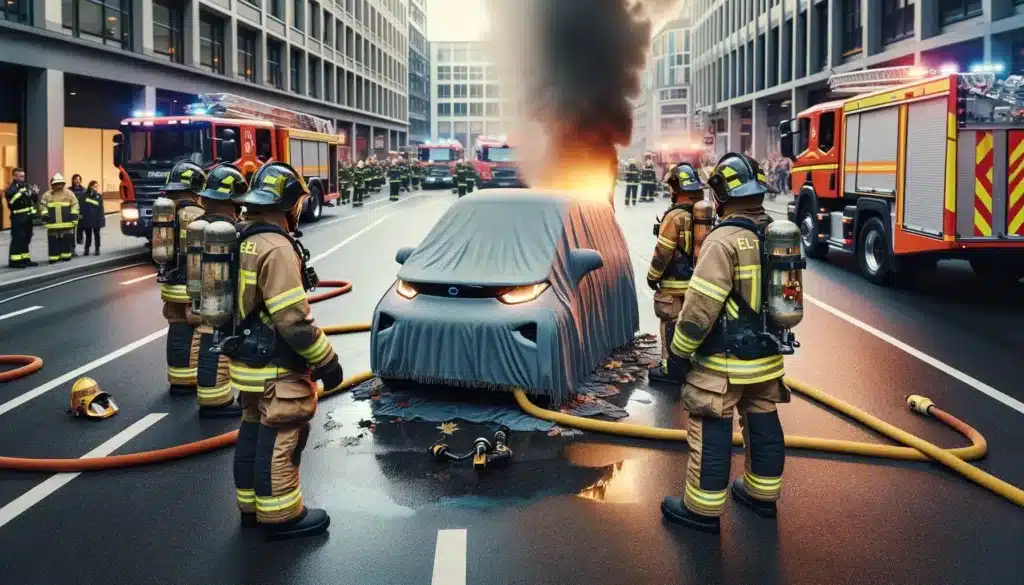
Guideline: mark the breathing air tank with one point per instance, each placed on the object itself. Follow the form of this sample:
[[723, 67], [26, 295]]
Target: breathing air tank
[[703, 221], [163, 230], [785, 297], [194, 262], [217, 302]]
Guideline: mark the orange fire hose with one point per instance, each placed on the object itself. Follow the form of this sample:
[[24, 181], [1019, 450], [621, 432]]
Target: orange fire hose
[[32, 364]]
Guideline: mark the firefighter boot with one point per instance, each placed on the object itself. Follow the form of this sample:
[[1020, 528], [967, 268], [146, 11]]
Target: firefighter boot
[[764, 443], [741, 495], [310, 522], [674, 511]]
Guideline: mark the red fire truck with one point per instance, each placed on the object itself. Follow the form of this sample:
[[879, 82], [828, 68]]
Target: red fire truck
[[919, 166], [672, 153], [495, 163], [439, 159], [222, 128]]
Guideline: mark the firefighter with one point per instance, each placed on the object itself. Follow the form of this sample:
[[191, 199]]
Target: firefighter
[[470, 177], [395, 179], [673, 260], [460, 178], [278, 391], [632, 181], [360, 178], [719, 349], [59, 209], [22, 206], [648, 179], [416, 172], [213, 385], [344, 181], [406, 175], [183, 183]]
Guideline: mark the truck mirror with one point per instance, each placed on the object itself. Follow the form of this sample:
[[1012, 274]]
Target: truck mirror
[[226, 134], [786, 138]]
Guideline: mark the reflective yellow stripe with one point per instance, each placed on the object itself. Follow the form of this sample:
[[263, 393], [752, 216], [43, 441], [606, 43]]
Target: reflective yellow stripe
[[58, 204], [666, 243], [744, 371], [246, 379], [764, 483], [654, 273], [16, 196], [245, 278], [284, 300], [712, 291], [727, 172], [211, 393], [675, 285], [732, 308], [706, 498], [92, 202], [751, 272], [733, 183], [316, 352], [22, 210], [65, 225], [174, 293], [683, 345], [246, 496], [278, 503]]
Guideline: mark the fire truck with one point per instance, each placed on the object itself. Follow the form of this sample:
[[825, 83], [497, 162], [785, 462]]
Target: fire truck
[[222, 128], [917, 167], [671, 154], [495, 163], [439, 158]]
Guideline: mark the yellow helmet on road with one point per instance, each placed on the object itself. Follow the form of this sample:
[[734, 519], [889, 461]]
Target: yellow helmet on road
[[89, 401]]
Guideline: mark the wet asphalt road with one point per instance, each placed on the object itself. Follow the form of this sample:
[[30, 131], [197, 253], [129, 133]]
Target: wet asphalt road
[[572, 511]]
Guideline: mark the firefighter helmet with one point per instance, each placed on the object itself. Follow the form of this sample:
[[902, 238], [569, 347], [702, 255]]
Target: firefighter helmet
[[683, 177], [57, 179], [224, 182], [185, 176], [275, 185], [89, 401], [736, 176]]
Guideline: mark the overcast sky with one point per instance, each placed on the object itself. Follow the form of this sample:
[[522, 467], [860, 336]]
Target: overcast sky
[[455, 20]]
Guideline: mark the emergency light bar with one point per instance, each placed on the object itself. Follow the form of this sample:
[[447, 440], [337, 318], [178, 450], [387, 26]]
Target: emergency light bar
[[870, 80], [226, 104]]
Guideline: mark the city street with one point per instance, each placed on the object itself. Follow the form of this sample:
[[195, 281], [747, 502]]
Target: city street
[[578, 510]]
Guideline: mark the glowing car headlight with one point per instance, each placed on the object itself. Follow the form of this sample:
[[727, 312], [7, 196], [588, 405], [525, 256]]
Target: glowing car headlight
[[405, 289], [130, 214], [523, 294]]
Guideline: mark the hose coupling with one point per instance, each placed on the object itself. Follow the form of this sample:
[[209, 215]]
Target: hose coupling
[[920, 403]]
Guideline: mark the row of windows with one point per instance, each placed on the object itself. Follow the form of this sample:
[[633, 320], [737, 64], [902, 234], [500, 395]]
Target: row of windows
[[673, 94], [489, 109], [105, 21], [673, 41], [16, 11], [472, 90], [467, 73], [461, 53]]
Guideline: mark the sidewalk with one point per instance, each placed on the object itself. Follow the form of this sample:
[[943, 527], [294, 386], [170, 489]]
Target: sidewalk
[[777, 207], [114, 248]]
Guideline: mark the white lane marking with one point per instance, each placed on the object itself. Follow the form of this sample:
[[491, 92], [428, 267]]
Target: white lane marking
[[25, 501], [450, 558], [370, 204], [931, 361], [338, 246], [39, 391], [69, 281], [139, 279], [21, 312]]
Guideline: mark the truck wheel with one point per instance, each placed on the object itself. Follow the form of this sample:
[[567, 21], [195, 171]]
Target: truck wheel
[[809, 235], [1005, 273], [873, 254], [315, 205]]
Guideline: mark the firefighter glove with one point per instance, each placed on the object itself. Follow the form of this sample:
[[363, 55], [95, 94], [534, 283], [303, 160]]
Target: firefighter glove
[[654, 284], [677, 367], [330, 373]]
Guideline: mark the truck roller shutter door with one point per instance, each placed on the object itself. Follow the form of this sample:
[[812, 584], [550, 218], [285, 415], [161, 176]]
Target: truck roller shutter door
[[876, 157], [852, 148], [924, 190]]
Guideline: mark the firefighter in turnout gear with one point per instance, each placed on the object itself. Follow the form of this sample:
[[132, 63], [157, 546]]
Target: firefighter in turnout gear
[[183, 183], [460, 178], [394, 179], [416, 171], [470, 176], [360, 178], [22, 207], [729, 361], [674, 257], [345, 174], [213, 384], [406, 172], [648, 179], [276, 353], [632, 181], [59, 210]]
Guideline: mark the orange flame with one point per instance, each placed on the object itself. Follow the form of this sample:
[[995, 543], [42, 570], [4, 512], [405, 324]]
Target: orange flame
[[580, 166]]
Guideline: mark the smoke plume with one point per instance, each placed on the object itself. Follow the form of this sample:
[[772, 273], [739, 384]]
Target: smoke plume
[[569, 69]]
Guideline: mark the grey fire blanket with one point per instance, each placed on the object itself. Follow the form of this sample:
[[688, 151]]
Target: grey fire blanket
[[457, 332]]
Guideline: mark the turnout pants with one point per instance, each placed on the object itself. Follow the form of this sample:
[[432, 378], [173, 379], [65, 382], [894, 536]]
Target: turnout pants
[[667, 308], [90, 235], [182, 353], [461, 189], [272, 436], [469, 185], [631, 192], [61, 244], [357, 198], [395, 187], [647, 191], [711, 400], [21, 236], [213, 385], [416, 183], [405, 184]]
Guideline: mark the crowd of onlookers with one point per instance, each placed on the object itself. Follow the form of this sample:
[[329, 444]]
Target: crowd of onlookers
[[777, 168]]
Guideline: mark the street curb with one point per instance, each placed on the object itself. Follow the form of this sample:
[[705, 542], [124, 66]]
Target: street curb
[[74, 270]]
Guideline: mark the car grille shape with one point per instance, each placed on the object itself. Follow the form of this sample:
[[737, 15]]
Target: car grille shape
[[146, 189], [439, 172], [460, 291], [504, 173]]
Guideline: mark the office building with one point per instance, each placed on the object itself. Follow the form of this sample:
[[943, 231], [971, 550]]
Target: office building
[[419, 73], [465, 91], [662, 112], [70, 70], [758, 62]]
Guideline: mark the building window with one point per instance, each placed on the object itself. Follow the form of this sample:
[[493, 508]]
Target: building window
[[293, 70], [460, 73], [460, 109], [211, 43], [476, 90], [314, 77], [461, 90], [493, 90], [444, 54], [851, 26], [274, 65], [444, 109], [897, 20], [168, 21], [276, 9], [490, 73], [476, 73], [673, 109], [444, 73], [314, 20], [298, 19], [109, 22], [444, 91], [17, 10], [956, 10], [476, 109], [492, 109], [246, 54]]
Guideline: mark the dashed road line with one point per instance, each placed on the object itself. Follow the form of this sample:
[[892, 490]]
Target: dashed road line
[[139, 279], [21, 312], [450, 557]]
